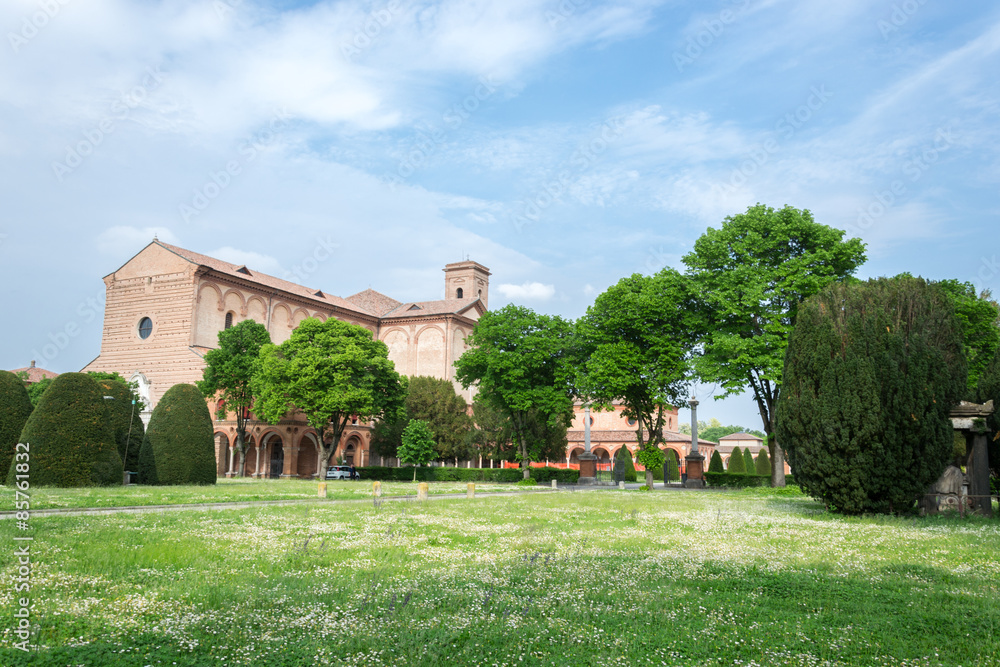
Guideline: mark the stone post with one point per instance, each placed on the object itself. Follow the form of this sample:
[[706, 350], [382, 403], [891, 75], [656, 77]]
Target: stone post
[[588, 462], [470, 490], [695, 460], [422, 491], [322, 490], [555, 485], [377, 489]]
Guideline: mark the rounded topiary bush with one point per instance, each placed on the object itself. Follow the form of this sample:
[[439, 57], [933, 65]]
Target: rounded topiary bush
[[626, 458], [715, 464], [737, 464], [15, 407], [763, 463], [70, 438], [125, 421], [178, 447]]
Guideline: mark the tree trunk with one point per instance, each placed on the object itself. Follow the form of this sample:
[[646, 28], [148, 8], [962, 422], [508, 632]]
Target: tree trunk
[[243, 462], [324, 461], [777, 462], [649, 479]]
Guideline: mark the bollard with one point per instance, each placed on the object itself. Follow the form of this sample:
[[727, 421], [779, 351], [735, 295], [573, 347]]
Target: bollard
[[470, 490], [621, 485], [322, 490], [554, 484], [377, 489], [422, 491]]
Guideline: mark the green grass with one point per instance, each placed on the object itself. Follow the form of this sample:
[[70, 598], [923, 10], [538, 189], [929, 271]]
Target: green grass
[[226, 490], [754, 577]]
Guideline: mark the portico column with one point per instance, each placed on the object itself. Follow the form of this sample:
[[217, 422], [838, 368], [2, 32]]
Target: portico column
[[256, 472], [290, 461]]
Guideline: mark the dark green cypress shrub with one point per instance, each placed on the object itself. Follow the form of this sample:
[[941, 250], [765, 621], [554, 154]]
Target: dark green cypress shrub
[[763, 464], [871, 372], [15, 407], [737, 464], [673, 471], [715, 464], [179, 446], [748, 462], [126, 423], [626, 458], [70, 438]]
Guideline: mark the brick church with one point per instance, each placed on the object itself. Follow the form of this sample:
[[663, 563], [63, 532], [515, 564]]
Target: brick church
[[166, 305]]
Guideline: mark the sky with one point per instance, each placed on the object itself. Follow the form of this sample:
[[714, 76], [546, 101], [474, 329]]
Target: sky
[[563, 144]]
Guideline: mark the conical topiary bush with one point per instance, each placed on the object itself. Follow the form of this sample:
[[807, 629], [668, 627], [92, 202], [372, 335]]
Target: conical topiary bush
[[715, 464], [179, 446], [748, 462], [70, 438], [626, 458], [763, 463], [125, 421], [737, 464], [15, 408]]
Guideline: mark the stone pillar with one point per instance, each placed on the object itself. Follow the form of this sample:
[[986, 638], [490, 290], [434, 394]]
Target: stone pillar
[[977, 471], [322, 490], [256, 470], [588, 462], [290, 462], [422, 491], [377, 489], [695, 471], [470, 490], [232, 462]]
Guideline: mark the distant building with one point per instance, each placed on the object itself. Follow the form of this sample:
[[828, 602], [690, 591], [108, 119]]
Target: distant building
[[166, 306], [728, 443], [35, 374]]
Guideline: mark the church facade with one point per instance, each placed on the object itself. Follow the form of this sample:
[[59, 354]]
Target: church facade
[[166, 306]]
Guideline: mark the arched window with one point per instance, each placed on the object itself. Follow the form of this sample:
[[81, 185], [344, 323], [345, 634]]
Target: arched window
[[229, 319], [145, 328], [458, 293]]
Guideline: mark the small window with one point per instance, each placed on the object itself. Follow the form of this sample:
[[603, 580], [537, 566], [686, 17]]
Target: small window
[[631, 422], [229, 319], [458, 293], [145, 328]]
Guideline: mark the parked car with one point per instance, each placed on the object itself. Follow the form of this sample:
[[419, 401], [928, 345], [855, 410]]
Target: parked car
[[341, 472]]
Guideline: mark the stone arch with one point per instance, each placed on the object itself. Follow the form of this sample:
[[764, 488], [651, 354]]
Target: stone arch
[[233, 300], [221, 453], [430, 351], [281, 323], [352, 450], [273, 455], [209, 315], [574, 455], [319, 316], [257, 309], [249, 463], [398, 342], [308, 455], [298, 315], [602, 454]]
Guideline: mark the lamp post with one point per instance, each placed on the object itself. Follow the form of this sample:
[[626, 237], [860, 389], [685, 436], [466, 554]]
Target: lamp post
[[695, 460]]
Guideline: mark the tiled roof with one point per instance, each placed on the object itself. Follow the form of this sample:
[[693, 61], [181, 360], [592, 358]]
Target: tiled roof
[[373, 301], [35, 374], [628, 437], [265, 280], [740, 436], [421, 308]]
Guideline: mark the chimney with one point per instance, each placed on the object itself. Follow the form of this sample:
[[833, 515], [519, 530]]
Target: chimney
[[32, 363]]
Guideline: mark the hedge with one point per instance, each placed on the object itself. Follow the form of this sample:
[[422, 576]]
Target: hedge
[[741, 480], [179, 447], [442, 474], [15, 407], [72, 443]]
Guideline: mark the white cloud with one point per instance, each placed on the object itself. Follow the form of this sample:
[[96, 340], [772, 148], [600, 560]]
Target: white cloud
[[124, 242], [527, 291], [252, 260]]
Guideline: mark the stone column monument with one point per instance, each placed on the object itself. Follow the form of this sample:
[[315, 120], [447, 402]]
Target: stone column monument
[[695, 460], [588, 462]]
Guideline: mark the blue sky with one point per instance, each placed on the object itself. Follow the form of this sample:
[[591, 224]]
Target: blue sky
[[562, 144]]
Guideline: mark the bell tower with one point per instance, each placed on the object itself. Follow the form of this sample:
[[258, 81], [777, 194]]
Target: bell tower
[[467, 281]]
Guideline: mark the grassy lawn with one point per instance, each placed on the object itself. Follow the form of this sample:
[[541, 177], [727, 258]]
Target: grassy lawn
[[752, 577], [225, 491]]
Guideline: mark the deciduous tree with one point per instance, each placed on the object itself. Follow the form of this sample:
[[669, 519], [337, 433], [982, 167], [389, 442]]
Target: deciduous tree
[[418, 445], [638, 341], [751, 275], [521, 362], [329, 371], [228, 372]]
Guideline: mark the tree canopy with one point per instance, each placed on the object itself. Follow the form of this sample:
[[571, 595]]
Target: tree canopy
[[15, 408], [228, 373], [751, 275], [329, 371], [436, 402], [637, 341], [521, 362], [872, 372], [418, 445]]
